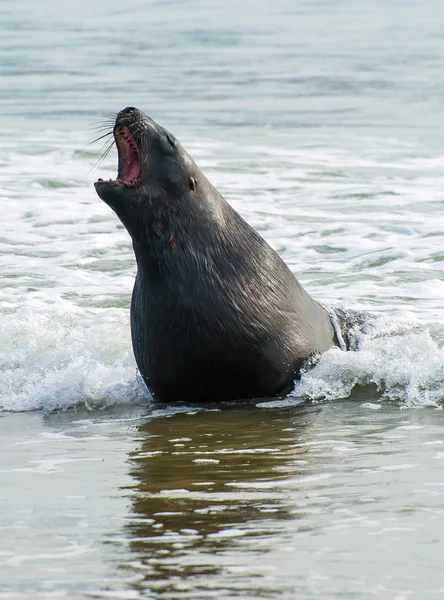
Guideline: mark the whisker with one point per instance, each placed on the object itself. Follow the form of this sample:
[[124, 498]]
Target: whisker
[[110, 116], [103, 125], [107, 122], [102, 128], [104, 155], [99, 138]]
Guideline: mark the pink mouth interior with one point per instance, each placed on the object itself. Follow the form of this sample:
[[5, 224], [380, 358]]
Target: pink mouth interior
[[129, 155]]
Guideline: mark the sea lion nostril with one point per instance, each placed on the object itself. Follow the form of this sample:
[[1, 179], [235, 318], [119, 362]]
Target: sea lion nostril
[[129, 113]]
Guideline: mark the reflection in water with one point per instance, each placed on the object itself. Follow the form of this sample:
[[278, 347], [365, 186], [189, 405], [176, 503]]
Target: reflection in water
[[208, 485]]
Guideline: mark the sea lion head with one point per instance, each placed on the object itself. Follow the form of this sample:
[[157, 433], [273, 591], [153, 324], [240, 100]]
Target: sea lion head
[[156, 177]]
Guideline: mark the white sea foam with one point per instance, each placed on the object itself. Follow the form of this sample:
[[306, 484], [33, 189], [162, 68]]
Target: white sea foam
[[56, 355], [397, 355]]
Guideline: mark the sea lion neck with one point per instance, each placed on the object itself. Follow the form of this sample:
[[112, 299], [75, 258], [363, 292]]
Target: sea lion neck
[[171, 233]]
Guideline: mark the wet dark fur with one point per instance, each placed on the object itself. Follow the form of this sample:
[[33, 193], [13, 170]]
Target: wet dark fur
[[215, 313]]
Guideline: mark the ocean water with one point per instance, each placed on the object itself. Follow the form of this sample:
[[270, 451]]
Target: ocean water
[[322, 123]]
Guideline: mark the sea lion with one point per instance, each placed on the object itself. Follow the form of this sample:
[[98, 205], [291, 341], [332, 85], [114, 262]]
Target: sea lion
[[216, 314]]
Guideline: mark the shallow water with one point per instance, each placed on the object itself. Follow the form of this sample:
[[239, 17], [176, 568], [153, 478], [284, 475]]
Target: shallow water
[[322, 124], [328, 501]]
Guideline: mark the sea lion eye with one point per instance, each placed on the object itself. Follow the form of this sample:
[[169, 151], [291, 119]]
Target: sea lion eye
[[192, 184]]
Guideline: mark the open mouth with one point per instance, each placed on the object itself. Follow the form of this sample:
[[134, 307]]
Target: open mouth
[[129, 154]]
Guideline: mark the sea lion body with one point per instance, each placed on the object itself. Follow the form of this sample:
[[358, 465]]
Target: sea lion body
[[215, 313]]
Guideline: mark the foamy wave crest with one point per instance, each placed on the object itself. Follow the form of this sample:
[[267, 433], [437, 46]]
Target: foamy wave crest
[[400, 357], [57, 356]]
